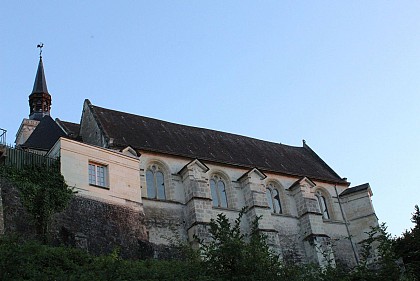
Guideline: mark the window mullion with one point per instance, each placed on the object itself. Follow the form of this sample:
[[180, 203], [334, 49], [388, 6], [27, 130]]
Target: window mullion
[[155, 184], [97, 175]]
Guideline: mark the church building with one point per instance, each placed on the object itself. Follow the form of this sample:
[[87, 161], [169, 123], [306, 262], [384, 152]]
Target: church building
[[180, 177]]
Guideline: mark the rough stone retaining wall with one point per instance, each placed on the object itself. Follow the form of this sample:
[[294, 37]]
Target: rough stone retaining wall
[[97, 227]]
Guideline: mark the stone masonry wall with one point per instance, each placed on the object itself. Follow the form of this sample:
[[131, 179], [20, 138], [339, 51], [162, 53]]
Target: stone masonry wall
[[97, 227], [100, 227]]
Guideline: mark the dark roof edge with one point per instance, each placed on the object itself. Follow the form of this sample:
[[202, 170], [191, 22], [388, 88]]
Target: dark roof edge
[[62, 126], [241, 166], [306, 146], [95, 116], [355, 189]]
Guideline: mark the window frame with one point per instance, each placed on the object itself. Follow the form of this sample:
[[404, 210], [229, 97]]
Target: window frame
[[217, 191], [271, 189], [323, 205], [98, 176], [155, 170]]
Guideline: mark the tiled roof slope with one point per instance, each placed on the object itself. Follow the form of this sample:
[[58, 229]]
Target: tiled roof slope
[[45, 135], [220, 147]]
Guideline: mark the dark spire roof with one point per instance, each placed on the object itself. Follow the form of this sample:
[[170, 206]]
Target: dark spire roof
[[45, 135], [40, 85], [39, 99], [150, 134]]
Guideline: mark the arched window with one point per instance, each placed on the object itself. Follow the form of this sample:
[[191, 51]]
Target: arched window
[[273, 199], [155, 181], [322, 203], [218, 192]]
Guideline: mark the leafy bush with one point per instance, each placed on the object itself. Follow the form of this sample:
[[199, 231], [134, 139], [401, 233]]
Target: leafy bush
[[408, 245], [35, 261], [232, 255], [43, 192]]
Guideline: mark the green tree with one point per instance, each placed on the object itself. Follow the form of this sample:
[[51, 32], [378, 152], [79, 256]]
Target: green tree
[[378, 260], [408, 245], [233, 255], [43, 192]]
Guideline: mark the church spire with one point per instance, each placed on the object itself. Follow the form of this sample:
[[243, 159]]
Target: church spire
[[39, 99], [40, 85]]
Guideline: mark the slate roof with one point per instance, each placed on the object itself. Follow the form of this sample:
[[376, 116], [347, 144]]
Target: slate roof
[[155, 135], [71, 129], [355, 189], [45, 135], [40, 84]]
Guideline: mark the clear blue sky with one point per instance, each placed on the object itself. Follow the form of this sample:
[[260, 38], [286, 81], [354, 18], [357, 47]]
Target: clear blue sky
[[343, 75]]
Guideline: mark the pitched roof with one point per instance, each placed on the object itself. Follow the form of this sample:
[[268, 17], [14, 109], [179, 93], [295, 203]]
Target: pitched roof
[[40, 84], [71, 129], [45, 135], [160, 136], [354, 189]]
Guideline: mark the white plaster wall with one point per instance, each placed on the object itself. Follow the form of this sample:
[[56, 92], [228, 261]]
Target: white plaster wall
[[123, 180]]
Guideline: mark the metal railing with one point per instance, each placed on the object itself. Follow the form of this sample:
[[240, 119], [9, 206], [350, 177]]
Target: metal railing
[[2, 136], [19, 158]]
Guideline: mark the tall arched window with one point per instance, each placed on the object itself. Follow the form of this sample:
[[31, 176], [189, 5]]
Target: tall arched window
[[273, 199], [155, 181], [322, 203], [218, 192]]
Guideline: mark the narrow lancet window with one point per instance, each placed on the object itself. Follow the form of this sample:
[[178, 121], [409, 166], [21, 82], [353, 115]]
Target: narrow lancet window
[[155, 181], [218, 192]]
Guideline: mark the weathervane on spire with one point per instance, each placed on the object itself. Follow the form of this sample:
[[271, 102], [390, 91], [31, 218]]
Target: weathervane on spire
[[40, 46]]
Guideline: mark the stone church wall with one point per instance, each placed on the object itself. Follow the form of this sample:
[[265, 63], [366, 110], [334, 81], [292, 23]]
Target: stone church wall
[[165, 222], [289, 233]]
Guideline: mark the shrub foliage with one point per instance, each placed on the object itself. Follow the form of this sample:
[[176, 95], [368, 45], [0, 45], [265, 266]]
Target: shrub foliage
[[43, 192]]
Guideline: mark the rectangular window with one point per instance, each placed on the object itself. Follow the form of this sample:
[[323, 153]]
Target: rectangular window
[[97, 174]]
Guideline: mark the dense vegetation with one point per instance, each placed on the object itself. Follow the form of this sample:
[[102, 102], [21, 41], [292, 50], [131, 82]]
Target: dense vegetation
[[229, 255], [408, 245]]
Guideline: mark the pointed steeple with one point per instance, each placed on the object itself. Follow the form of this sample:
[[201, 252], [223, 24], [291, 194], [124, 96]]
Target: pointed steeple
[[39, 99], [40, 85]]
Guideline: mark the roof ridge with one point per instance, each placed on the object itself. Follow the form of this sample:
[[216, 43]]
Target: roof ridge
[[196, 127]]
